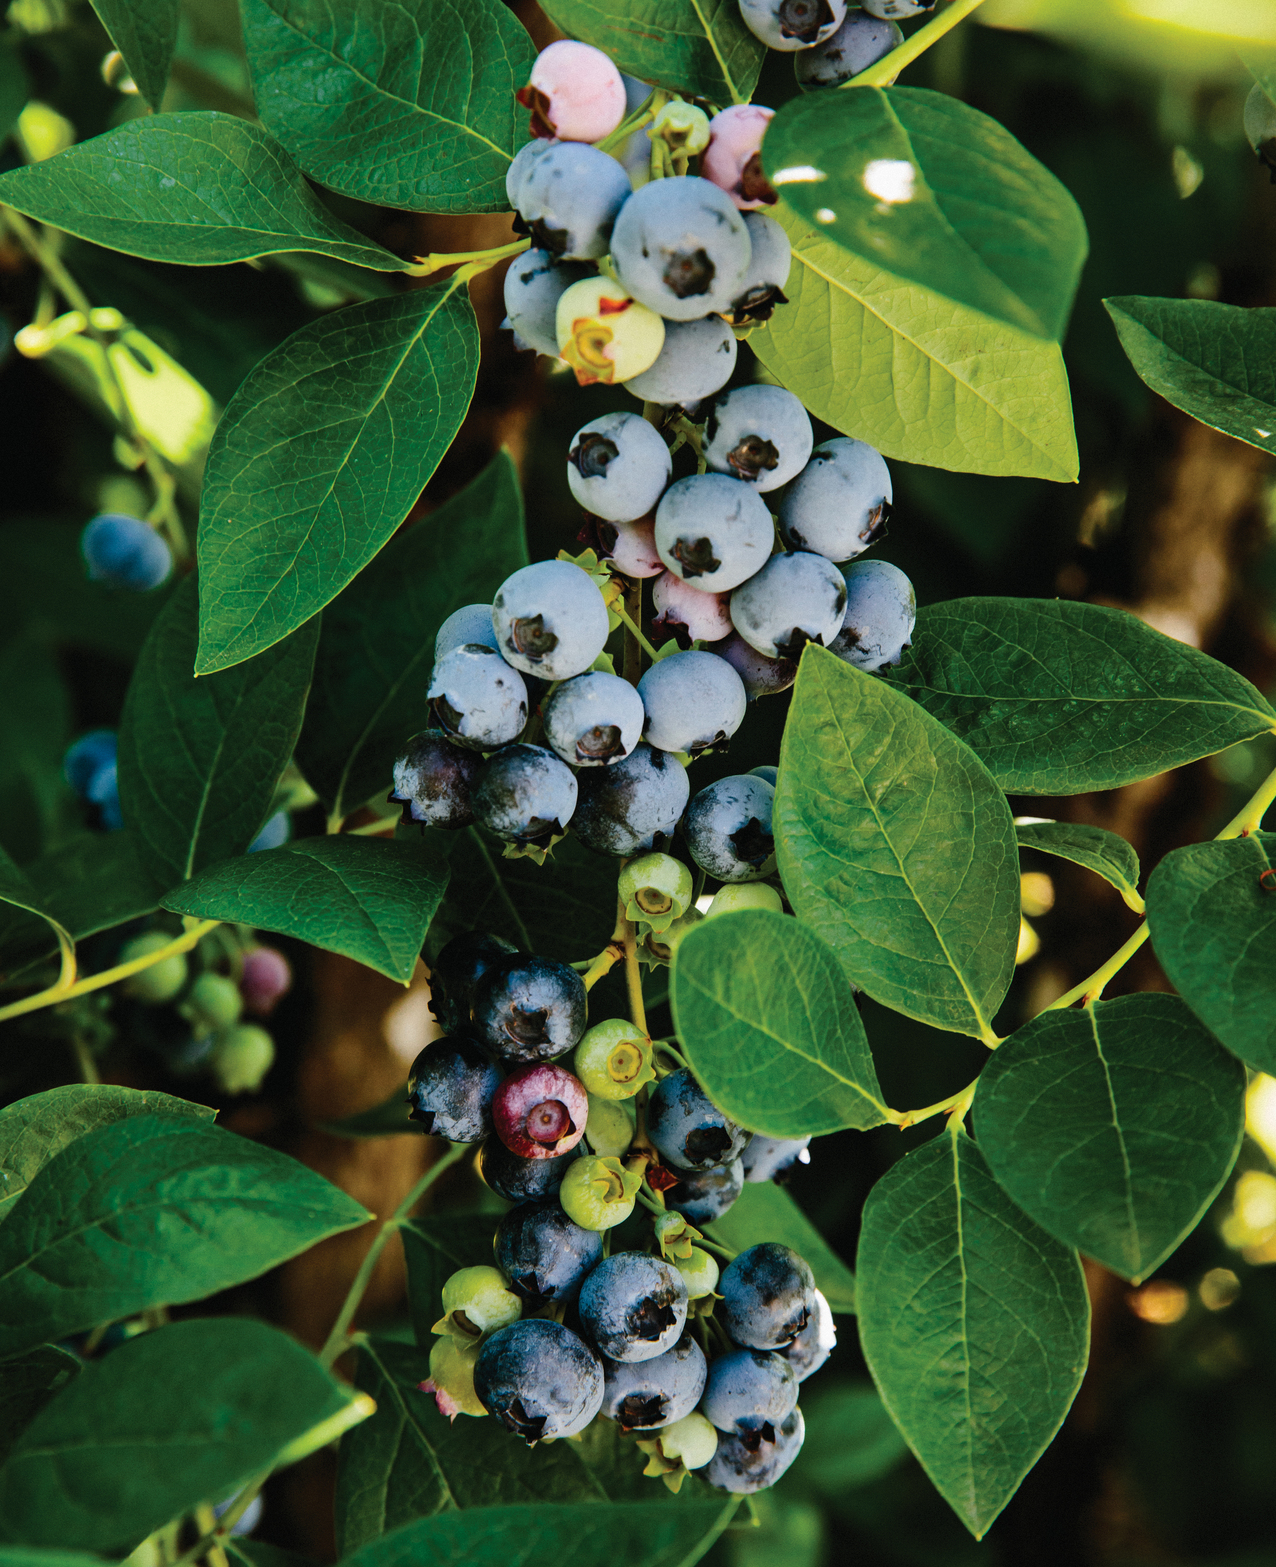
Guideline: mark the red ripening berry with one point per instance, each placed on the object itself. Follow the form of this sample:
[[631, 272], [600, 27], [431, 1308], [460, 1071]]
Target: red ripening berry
[[539, 1111], [266, 977]]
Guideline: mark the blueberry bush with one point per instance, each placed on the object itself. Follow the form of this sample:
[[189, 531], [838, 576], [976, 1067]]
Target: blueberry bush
[[414, 737]]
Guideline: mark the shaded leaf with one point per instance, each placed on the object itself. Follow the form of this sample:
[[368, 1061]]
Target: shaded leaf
[[319, 457], [17, 893], [434, 1248], [15, 89], [388, 1119], [765, 1212], [36, 805], [1105, 853], [146, 35], [27, 1383], [850, 1439]]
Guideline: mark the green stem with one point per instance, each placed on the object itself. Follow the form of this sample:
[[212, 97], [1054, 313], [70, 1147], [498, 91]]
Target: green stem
[[889, 67], [84, 1060], [1250, 817], [633, 979], [703, 1546], [602, 965], [479, 260], [631, 627], [959, 1101]]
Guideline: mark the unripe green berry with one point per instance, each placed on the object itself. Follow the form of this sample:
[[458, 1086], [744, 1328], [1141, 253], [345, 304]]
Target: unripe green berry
[[241, 1058], [684, 127], [661, 948], [744, 895], [599, 1193], [674, 1236], [687, 1444], [609, 1127], [452, 1380], [699, 1273], [656, 890], [613, 1060], [163, 980], [214, 1003], [477, 1301]]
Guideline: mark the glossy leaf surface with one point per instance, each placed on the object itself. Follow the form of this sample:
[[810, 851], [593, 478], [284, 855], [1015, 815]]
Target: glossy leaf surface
[[146, 35], [1105, 853]]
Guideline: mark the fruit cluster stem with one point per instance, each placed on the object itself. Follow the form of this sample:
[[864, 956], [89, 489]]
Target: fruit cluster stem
[[889, 66], [479, 260]]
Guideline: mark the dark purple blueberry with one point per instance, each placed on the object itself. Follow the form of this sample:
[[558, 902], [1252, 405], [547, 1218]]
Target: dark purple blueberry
[[773, 1158], [749, 1463], [544, 1254], [654, 1393], [768, 1296], [530, 1009], [457, 969], [450, 1089], [517, 1179], [688, 1129], [704, 1195], [538, 1379], [633, 1307], [750, 1392], [632, 806]]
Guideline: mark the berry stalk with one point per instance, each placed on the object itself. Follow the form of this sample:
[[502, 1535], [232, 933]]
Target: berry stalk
[[889, 67]]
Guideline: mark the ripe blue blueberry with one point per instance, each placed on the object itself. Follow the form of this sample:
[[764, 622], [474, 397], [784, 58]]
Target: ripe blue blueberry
[[728, 828], [450, 1089], [654, 1393], [696, 361], [88, 756], [743, 1464], [538, 1379], [815, 1343], [713, 532], [433, 781], [544, 1254], [550, 620], [681, 247], [692, 700], [841, 501], [768, 1296], [767, 773], [762, 676], [789, 25], [457, 969], [770, 1158], [524, 793], [881, 611], [618, 466], [470, 623], [890, 10], [530, 1009], [534, 284], [125, 552], [796, 598], [759, 434], [567, 197], [862, 40], [762, 287], [632, 806], [477, 698], [274, 834], [518, 1179], [687, 1129], [594, 720], [750, 1392], [517, 171], [104, 792], [633, 1307], [701, 1196]]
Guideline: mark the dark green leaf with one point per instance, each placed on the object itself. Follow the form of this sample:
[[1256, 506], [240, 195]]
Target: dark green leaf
[[168, 1420], [1081, 1118], [33, 1556], [15, 89], [388, 1119], [974, 1323], [146, 35], [200, 189], [410, 105], [27, 1383], [377, 642], [701, 49], [1106, 853], [769, 1025], [434, 1248], [21, 898], [897, 847], [368, 898], [1215, 362], [1061, 698], [199, 759], [35, 1130], [318, 458], [850, 1439], [35, 730], [766, 1212], [1213, 926], [153, 1210]]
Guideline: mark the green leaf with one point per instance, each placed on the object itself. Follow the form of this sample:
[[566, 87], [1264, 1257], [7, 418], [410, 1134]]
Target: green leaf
[[17, 892], [410, 105], [15, 88], [166, 1421], [1061, 698], [701, 49], [35, 730], [434, 1248], [368, 898], [974, 1323], [1114, 1127], [769, 1025], [33, 1556], [1213, 927], [850, 1439], [35, 1130], [318, 458], [200, 189], [388, 1119], [146, 35], [625, 1534], [377, 643], [1105, 853], [1215, 362], [27, 1383], [765, 1212], [897, 847], [199, 759], [153, 1210]]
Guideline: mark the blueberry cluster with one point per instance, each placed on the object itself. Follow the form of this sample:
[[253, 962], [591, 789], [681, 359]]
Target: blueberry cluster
[[700, 1363]]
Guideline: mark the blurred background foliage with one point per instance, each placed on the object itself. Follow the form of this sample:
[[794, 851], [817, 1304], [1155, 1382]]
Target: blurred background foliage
[[1170, 1453]]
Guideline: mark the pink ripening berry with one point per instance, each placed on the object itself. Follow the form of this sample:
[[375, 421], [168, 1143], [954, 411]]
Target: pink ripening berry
[[575, 93], [539, 1111], [266, 977], [701, 616], [733, 158]]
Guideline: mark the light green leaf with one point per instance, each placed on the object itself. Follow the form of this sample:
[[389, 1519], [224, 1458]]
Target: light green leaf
[[368, 898], [318, 458], [27, 1383], [36, 1129], [146, 35], [1105, 853], [1213, 926], [377, 643], [701, 49], [765, 1212], [166, 1421], [199, 189], [897, 847], [153, 1210], [850, 1439], [406, 105], [1215, 362], [199, 759], [769, 1025], [1061, 698], [974, 1322], [1114, 1127]]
